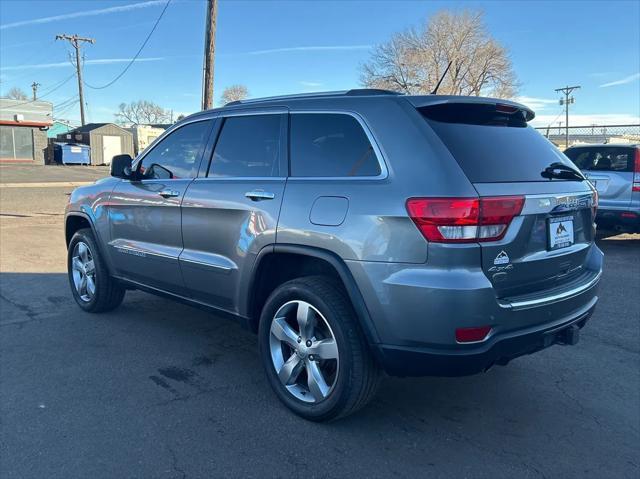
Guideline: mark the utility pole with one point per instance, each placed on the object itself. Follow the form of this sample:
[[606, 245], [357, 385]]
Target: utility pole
[[34, 87], [209, 51], [75, 41], [565, 101]]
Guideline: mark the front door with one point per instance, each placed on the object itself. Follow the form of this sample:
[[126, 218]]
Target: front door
[[231, 211], [144, 214]]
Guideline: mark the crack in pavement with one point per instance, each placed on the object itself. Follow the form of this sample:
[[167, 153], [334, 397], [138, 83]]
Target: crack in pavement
[[174, 463]]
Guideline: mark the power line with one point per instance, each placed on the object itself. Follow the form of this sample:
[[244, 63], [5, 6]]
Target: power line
[[65, 103], [136, 55], [49, 92], [67, 108]]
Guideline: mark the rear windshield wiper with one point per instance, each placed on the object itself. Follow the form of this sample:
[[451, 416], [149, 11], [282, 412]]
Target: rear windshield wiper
[[561, 171]]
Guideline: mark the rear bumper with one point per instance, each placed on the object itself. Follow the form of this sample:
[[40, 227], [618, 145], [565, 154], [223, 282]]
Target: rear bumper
[[626, 220], [473, 359], [416, 310]]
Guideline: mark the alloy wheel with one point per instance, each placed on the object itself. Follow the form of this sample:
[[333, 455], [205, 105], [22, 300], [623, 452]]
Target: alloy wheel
[[83, 271], [304, 352]]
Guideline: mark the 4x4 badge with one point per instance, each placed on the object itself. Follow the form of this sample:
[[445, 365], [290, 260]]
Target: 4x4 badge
[[502, 258]]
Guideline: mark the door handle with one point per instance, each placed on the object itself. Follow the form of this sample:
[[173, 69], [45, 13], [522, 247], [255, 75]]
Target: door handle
[[259, 195], [169, 193]]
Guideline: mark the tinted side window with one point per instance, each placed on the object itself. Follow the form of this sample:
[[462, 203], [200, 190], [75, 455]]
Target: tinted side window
[[328, 144], [608, 158], [178, 155], [248, 146]]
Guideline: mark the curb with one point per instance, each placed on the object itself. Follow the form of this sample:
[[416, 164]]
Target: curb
[[53, 184]]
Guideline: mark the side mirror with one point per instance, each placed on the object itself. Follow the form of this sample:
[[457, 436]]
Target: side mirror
[[121, 166]]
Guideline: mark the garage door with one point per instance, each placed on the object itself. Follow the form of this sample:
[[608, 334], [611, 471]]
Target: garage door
[[111, 146]]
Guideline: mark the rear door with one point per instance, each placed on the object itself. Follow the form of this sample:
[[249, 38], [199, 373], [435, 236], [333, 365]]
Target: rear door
[[230, 212], [610, 170], [547, 244]]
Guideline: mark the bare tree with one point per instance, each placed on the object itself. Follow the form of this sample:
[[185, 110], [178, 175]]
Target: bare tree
[[234, 93], [141, 112], [17, 94], [413, 60]]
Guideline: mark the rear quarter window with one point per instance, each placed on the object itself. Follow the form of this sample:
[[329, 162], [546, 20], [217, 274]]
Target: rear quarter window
[[602, 158], [492, 146], [330, 145]]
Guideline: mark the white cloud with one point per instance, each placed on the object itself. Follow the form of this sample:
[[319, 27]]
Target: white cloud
[[86, 13], [311, 48], [587, 119], [535, 103], [601, 74], [629, 79], [311, 83], [99, 61]]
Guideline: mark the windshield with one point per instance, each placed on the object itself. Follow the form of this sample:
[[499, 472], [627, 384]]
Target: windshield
[[492, 146]]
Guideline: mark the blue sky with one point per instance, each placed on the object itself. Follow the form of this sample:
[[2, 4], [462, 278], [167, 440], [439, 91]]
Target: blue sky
[[278, 47]]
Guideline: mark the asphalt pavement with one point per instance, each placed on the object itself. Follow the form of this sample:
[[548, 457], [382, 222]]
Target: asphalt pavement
[[157, 389]]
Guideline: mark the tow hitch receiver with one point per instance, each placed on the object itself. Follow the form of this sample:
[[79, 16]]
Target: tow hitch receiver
[[569, 336]]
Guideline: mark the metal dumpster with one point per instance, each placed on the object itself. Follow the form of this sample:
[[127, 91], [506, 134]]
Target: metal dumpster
[[71, 154]]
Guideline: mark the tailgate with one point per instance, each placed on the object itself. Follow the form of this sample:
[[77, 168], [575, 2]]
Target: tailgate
[[547, 245]]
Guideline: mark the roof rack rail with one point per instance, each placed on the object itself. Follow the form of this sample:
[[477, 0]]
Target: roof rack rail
[[352, 92], [371, 91]]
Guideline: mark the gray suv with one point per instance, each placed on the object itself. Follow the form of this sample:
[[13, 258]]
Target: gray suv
[[355, 232]]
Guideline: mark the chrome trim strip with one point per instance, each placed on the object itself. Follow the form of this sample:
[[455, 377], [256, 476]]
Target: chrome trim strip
[[242, 178], [546, 203], [141, 252], [210, 265], [554, 298]]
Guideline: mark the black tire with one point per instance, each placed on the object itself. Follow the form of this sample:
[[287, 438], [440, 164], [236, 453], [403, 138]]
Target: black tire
[[357, 375], [108, 292]]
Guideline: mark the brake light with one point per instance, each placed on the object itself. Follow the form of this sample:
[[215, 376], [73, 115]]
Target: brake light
[[464, 220], [636, 172]]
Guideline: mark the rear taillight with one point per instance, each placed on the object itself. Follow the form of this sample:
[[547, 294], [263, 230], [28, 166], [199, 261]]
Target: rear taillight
[[464, 220], [636, 172]]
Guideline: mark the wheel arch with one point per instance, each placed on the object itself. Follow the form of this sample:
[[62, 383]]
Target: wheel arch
[[328, 262], [78, 220]]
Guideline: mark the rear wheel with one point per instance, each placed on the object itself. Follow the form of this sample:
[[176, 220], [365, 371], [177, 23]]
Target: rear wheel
[[314, 354], [92, 287]]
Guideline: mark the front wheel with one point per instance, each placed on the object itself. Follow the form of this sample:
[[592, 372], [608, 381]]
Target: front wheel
[[314, 354], [92, 287]]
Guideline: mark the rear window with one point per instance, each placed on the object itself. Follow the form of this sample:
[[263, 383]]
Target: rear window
[[602, 158], [492, 145]]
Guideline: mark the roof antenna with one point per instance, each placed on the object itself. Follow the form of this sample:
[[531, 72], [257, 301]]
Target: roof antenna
[[435, 90]]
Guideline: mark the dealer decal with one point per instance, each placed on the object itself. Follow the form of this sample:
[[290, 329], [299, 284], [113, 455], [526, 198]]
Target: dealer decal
[[502, 258]]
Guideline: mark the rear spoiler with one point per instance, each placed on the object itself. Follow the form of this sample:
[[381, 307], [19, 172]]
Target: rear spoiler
[[506, 106]]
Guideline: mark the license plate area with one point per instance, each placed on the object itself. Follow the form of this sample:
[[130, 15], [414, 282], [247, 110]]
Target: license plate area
[[560, 232]]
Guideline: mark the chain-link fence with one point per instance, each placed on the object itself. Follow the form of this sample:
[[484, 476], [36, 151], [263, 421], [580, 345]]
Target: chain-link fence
[[591, 134]]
